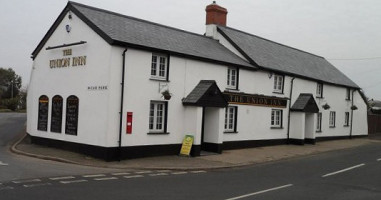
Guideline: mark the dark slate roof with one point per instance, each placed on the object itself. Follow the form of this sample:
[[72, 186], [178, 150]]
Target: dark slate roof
[[127, 31], [274, 56], [305, 103], [206, 93]]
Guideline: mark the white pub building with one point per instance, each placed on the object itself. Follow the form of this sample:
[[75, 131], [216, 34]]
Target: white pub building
[[116, 87]]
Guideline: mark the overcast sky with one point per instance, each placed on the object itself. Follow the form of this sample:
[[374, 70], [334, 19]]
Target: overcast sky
[[335, 29]]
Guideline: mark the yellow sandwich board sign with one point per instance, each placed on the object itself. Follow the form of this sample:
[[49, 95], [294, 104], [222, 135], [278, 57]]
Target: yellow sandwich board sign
[[187, 145]]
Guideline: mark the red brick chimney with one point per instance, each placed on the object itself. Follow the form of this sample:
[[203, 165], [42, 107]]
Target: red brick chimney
[[216, 14]]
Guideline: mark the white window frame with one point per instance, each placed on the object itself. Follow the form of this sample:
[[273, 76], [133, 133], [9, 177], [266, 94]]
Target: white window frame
[[157, 116], [332, 119], [346, 118], [318, 121], [159, 66], [232, 78], [230, 119], [348, 94], [278, 83], [319, 90], [276, 118]]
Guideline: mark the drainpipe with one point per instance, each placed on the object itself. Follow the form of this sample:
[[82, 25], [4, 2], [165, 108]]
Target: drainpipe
[[121, 106], [350, 133], [289, 113]]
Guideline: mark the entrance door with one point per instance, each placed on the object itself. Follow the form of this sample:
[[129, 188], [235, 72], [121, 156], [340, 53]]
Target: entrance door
[[309, 132], [212, 129]]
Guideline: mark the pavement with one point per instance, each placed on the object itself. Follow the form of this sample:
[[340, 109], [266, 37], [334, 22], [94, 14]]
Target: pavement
[[228, 159]]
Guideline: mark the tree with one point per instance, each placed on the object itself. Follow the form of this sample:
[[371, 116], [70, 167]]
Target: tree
[[10, 83]]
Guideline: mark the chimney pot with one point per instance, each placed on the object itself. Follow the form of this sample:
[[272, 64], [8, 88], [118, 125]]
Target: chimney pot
[[216, 14]]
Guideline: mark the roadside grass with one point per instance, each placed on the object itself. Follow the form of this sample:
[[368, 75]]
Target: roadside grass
[[9, 111]]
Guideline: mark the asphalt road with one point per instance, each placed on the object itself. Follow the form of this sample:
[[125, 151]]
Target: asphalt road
[[345, 174], [14, 167]]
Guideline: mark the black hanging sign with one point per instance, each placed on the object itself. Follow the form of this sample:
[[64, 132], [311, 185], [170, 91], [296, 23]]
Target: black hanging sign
[[71, 115], [43, 108], [56, 120]]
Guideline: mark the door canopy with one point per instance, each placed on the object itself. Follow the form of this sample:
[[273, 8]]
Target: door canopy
[[206, 94], [305, 103]]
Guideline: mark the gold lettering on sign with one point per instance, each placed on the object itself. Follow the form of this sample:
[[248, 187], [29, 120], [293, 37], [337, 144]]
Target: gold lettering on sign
[[80, 60], [66, 52], [256, 100]]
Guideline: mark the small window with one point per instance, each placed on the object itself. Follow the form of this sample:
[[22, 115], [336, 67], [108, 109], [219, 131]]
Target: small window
[[157, 117], [56, 119], [278, 83], [71, 125], [276, 118], [319, 90], [43, 109], [232, 78], [159, 67], [346, 119], [348, 94], [332, 119], [318, 122], [231, 119]]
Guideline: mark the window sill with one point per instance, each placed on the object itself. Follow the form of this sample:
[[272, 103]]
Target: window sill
[[319, 97], [231, 89], [276, 127], [319, 131], [158, 133], [231, 132], [332, 127], [277, 92], [158, 79], [347, 99], [346, 126]]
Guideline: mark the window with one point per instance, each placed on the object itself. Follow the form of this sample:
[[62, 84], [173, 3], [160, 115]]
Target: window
[[71, 125], [43, 109], [231, 119], [159, 67], [232, 79], [318, 123], [278, 84], [332, 119], [319, 90], [276, 118], [56, 119], [346, 119], [157, 117], [348, 94]]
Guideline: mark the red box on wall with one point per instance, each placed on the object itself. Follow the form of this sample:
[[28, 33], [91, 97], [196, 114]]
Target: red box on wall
[[129, 123]]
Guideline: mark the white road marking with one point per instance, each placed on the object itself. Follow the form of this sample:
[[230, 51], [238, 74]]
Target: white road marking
[[6, 188], [121, 173], [134, 176], [200, 171], [177, 173], [74, 181], [143, 172], [27, 181], [343, 170], [159, 174], [62, 178], [260, 192], [3, 164], [379, 159], [163, 171], [93, 175], [105, 179], [37, 184]]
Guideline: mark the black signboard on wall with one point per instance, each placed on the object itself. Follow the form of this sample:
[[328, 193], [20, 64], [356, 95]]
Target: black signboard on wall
[[43, 109], [71, 125], [56, 120], [255, 100]]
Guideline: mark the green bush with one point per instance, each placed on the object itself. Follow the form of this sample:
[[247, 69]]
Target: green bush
[[11, 104]]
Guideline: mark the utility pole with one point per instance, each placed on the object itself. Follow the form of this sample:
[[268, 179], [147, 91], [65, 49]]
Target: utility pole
[[12, 89]]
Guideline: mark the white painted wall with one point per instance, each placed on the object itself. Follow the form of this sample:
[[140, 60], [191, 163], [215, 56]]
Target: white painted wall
[[297, 125], [214, 125], [93, 105]]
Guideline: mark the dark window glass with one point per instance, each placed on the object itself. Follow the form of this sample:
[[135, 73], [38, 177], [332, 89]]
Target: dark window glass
[[71, 125], [56, 119], [43, 109]]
